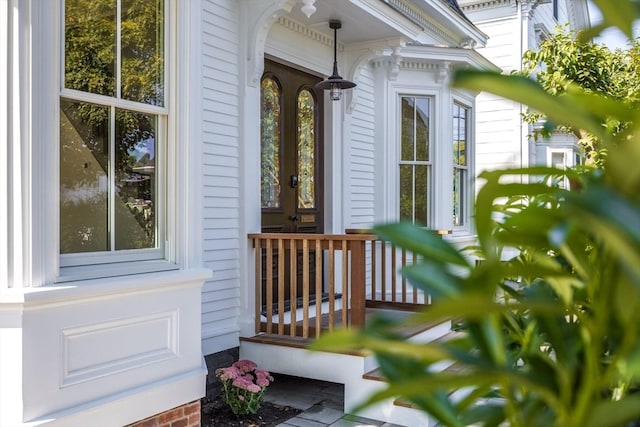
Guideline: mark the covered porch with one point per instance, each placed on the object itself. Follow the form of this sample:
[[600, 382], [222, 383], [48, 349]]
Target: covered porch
[[308, 284]]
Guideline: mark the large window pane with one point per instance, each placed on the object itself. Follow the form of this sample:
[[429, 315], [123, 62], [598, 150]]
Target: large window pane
[[90, 46], [421, 191], [142, 51], [306, 150], [406, 193], [270, 143], [414, 185], [408, 129], [460, 136], [84, 181], [135, 170], [459, 177], [422, 129]]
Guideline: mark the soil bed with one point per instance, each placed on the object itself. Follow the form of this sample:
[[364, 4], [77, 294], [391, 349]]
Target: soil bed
[[216, 413]]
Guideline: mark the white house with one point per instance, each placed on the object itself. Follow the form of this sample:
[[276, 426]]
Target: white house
[[152, 149], [513, 27]]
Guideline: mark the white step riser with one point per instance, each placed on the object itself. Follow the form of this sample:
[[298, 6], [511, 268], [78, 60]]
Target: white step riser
[[432, 334], [357, 392]]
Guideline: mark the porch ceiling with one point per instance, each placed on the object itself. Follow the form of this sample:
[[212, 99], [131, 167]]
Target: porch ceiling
[[422, 21], [356, 26]]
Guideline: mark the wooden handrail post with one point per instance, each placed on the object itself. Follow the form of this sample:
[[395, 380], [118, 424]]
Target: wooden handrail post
[[358, 285]]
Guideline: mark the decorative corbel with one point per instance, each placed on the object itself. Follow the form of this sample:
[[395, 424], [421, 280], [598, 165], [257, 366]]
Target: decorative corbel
[[259, 20], [370, 52], [443, 72], [396, 57], [526, 6]]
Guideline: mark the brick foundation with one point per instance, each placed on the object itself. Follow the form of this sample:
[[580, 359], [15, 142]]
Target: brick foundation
[[183, 416]]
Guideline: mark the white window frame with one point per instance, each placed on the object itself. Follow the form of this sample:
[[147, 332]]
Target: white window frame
[[182, 210], [467, 101], [467, 198], [431, 175]]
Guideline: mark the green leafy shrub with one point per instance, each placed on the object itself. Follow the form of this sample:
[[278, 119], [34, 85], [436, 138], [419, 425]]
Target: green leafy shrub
[[551, 336]]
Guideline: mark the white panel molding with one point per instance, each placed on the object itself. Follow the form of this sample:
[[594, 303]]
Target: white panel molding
[[105, 345], [88, 353]]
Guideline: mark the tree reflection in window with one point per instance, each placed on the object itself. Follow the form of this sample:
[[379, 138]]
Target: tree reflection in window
[[95, 199], [460, 168], [270, 144], [415, 162], [306, 150]]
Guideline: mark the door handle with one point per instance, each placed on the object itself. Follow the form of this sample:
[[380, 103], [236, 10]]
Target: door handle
[[293, 217], [293, 181]]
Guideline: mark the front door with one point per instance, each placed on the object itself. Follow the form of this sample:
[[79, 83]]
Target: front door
[[291, 151], [291, 168]]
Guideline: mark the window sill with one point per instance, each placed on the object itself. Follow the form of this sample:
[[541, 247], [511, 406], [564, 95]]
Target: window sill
[[82, 289]]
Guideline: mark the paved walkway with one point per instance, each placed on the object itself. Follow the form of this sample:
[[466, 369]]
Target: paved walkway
[[320, 401]]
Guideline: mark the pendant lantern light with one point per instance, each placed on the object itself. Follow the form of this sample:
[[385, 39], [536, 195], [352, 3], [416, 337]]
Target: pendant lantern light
[[334, 83]]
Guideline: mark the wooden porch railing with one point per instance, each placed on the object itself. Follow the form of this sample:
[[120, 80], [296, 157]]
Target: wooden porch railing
[[307, 283]]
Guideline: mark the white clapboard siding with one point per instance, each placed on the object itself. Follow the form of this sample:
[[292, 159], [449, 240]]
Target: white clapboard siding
[[221, 181], [498, 121], [361, 165]]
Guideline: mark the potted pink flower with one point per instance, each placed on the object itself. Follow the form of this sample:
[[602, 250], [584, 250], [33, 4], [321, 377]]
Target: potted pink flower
[[243, 386]]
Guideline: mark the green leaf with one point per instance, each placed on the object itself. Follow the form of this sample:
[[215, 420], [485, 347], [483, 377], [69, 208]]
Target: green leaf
[[421, 241], [490, 415], [567, 108], [434, 279], [614, 413]]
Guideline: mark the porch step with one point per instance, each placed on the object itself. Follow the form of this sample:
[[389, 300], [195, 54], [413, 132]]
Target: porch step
[[356, 370], [291, 342]]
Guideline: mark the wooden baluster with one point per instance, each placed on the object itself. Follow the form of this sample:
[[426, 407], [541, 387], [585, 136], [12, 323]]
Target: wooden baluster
[[269, 285], [394, 273], [415, 290], [383, 262], [404, 279], [345, 285], [293, 286], [281, 282], [374, 267], [318, 287], [332, 286], [305, 288], [258, 284]]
